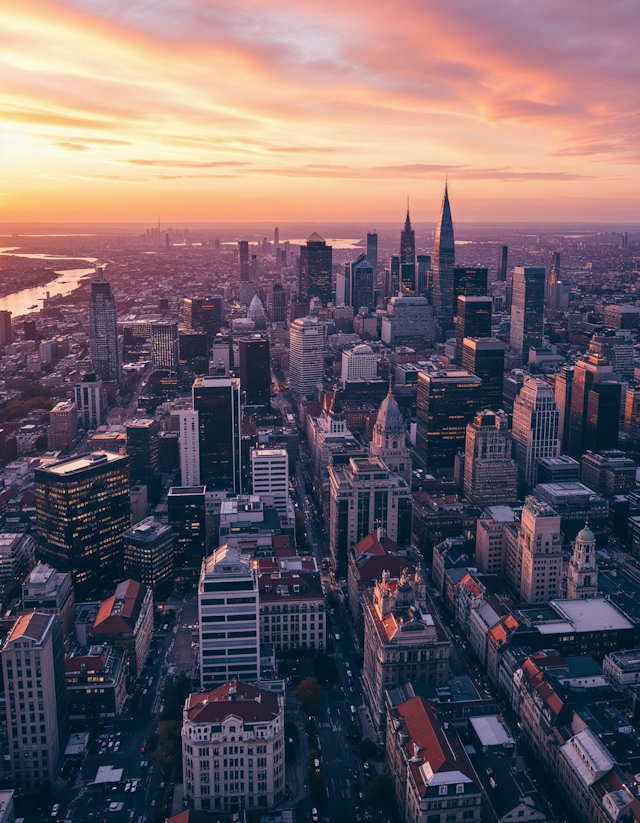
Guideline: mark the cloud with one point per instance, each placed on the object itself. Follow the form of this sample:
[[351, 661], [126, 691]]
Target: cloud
[[72, 146], [187, 164]]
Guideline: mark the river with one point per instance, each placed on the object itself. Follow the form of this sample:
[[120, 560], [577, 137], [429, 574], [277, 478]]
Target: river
[[22, 302]]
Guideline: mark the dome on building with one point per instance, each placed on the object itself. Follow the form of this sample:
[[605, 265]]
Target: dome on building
[[256, 310], [389, 415], [362, 348], [586, 535]]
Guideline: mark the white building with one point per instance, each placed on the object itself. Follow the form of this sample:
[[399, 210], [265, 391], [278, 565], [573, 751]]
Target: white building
[[306, 356], [270, 475], [536, 421], [90, 402], [540, 553], [189, 448], [229, 614], [582, 574], [389, 441], [233, 748], [359, 363], [408, 319]]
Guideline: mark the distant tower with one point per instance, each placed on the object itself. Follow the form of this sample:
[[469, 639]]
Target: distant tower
[[553, 282], [502, 264], [443, 265], [276, 237], [389, 438], [315, 269], [582, 575], [527, 310], [372, 251], [408, 255], [103, 330]]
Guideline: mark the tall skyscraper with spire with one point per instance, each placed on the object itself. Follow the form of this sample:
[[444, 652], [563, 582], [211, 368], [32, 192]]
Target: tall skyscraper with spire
[[408, 255], [443, 264], [103, 330]]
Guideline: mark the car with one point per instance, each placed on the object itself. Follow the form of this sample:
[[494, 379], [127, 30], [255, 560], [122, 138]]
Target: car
[[336, 636], [144, 691], [366, 767], [127, 786], [116, 747], [102, 750], [314, 815], [131, 814], [361, 795], [55, 810], [134, 787], [316, 763]]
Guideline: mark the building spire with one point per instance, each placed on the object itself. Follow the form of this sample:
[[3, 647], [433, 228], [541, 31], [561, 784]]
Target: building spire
[[407, 222], [446, 186]]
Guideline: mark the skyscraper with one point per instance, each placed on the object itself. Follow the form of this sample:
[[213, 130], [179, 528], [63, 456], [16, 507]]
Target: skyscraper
[[473, 319], [443, 265], [362, 283], [144, 461], [278, 306], [255, 370], [90, 402], [217, 401], [63, 425], [276, 237], [103, 331], [484, 357], [35, 687], [392, 277], [372, 250], [148, 553], [204, 314], [447, 400], [490, 475], [6, 332], [563, 389], [422, 275], [502, 263], [189, 448], [244, 265], [535, 429], [539, 547], [315, 269], [306, 356], [586, 373], [164, 346], [553, 283], [408, 256], [270, 475], [603, 416], [82, 511], [470, 282], [527, 310]]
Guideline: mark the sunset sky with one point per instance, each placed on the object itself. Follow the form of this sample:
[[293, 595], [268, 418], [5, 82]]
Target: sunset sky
[[332, 110]]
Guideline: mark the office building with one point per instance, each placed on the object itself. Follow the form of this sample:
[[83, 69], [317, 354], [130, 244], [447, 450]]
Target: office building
[[582, 574], [33, 655], [82, 512], [217, 401], [315, 270], [204, 314], [306, 356], [535, 429], [407, 257], [228, 608], [187, 515], [553, 283], [84, 668], [603, 414], [563, 469], [446, 401], [575, 504], [148, 553], [63, 426], [372, 250], [469, 282], [389, 440], [632, 416], [103, 331], [255, 370], [409, 321], [189, 448], [6, 332], [164, 346], [617, 349], [484, 357], [125, 620], [364, 496], [473, 319], [244, 266], [392, 277], [50, 592], [503, 255], [490, 475], [403, 640], [193, 353], [622, 316], [527, 310], [144, 460], [16, 558], [298, 591], [90, 402], [270, 476], [359, 363], [423, 270], [256, 313], [362, 285], [540, 551], [443, 265], [587, 373], [277, 308], [228, 712], [562, 391]]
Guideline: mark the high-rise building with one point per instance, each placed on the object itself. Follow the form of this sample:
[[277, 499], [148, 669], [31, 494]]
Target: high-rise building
[[35, 687], [527, 310], [90, 402], [372, 250], [632, 416], [364, 496], [16, 558], [469, 282], [144, 460], [603, 416], [553, 283], [189, 448], [361, 284], [388, 441], [63, 426], [204, 314], [408, 256], [535, 429], [164, 346], [229, 612], [193, 353], [586, 374], [582, 574], [409, 321], [217, 401], [255, 370], [423, 287], [539, 551], [443, 265], [359, 363], [270, 476], [278, 306], [49, 591], [473, 319], [315, 269], [490, 475], [103, 331], [187, 515], [562, 391], [392, 277], [276, 237], [82, 512], [244, 266], [148, 553], [484, 357], [306, 356], [502, 263], [446, 402], [6, 332]]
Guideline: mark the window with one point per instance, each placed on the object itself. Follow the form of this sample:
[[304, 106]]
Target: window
[[460, 788], [442, 789]]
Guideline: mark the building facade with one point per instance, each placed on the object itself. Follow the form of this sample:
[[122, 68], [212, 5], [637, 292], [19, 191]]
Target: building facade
[[270, 475], [535, 429], [490, 474], [148, 553], [527, 310], [63, 426], [389, 441], [315, 269], [306, 356], [484, 357], [50, 592], [189, 448], [218, 403], [103, 331], [125, 620]]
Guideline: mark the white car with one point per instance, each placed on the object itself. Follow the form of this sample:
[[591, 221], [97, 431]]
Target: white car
[[55, 810], [314, 815], [127, 787]]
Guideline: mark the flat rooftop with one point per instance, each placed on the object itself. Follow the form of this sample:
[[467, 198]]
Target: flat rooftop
[[75, 465], [592, 615]]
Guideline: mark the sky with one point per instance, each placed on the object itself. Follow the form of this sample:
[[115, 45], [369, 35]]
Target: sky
[[306, 110]]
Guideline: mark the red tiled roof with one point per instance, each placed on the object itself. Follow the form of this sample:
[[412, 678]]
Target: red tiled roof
[[372, 545], [215, 706], [536, 678], [371, 568], [281, 542], [94, 662], [118, 614]]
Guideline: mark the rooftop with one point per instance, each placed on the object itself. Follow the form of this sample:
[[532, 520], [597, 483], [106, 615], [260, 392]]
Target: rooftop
[[233, 699], [592, 614], [32, 626], [75, 465]]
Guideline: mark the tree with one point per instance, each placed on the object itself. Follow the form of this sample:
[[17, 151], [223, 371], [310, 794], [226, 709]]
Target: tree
[[325, 669], [367, 749], [308, 694], [380, 793]]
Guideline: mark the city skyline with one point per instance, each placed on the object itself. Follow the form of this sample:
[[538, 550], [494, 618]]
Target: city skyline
[[204, 111]]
